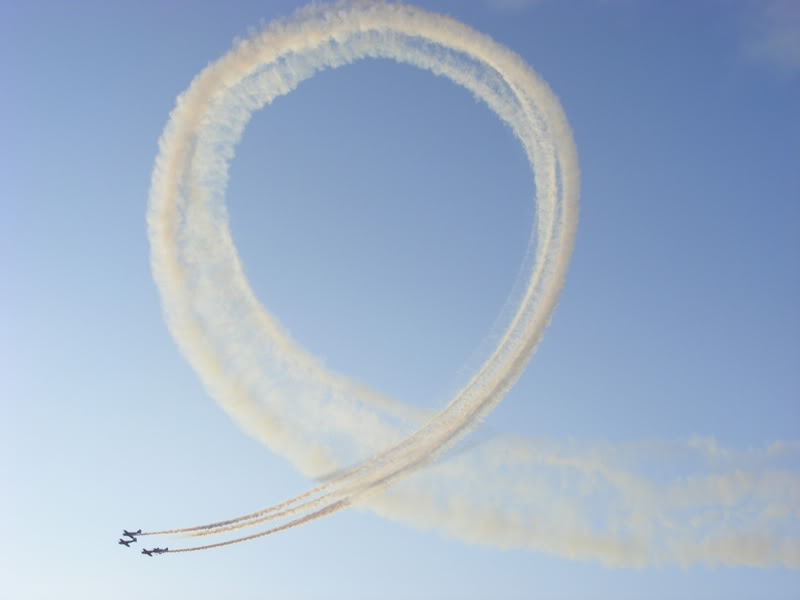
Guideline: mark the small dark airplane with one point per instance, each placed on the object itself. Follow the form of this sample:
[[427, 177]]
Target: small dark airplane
[[148, 552], [126, 542], [154, 551], [130, 534]]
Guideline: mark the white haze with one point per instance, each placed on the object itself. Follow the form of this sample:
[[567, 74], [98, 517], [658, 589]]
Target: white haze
[[584, 501]]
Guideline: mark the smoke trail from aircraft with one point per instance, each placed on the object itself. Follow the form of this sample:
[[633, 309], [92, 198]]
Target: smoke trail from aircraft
[[283, 396], [191, 172], [302, 520], [288, 507]]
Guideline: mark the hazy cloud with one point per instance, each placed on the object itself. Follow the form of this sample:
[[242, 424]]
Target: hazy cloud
[[773, 34]]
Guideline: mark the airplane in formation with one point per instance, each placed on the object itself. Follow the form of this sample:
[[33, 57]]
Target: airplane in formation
[[154, 551], [130, 534]]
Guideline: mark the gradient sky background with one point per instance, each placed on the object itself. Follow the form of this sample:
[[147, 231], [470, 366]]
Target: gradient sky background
[[382, 214]]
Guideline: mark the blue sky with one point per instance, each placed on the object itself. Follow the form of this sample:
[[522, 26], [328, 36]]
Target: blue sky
[[382, 215]]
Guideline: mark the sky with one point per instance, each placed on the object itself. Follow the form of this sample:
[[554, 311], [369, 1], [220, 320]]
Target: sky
[[382, 215]]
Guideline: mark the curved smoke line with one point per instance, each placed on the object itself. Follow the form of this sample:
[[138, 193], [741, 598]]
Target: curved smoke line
[[283, 396], [195, 263]]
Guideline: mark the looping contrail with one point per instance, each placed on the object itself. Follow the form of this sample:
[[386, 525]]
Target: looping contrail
[[198, 271], [283, 396]]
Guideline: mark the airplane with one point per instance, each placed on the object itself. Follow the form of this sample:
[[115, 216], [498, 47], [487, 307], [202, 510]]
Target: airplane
[[126, 542], [148, 552], [130, 534]]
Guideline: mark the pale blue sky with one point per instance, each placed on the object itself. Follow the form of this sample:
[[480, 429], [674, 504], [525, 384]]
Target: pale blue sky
[[382, 215]]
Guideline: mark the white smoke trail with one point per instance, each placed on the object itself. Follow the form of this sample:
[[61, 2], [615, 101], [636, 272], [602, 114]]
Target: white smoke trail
[[195, 264], [283, 396], [336, 506]]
